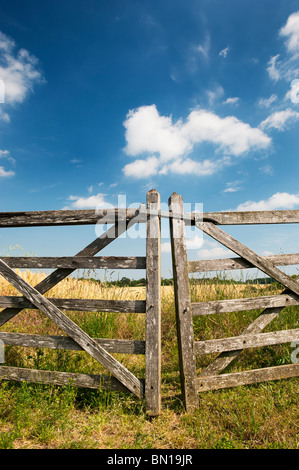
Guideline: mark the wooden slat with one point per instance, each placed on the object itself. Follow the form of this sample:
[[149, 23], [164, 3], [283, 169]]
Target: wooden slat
[[153, 308], [243, 251], [79, 262], [59, 274], [226, 358], [91, 217], [239, 263], [236, 305], [73, 330], [61, 378], [66, 217], [120, 346], [245, 341], [81, 305], [250, 218], [247, 377], [184, 322]]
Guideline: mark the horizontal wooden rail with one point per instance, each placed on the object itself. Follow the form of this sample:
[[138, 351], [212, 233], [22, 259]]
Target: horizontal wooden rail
[[239, 263], [102, 216], [66, 217], [62, 378], [250, 303], [234, 379], [120, 346], [249, 218], [83, 305], [245, 341], [78, 262]]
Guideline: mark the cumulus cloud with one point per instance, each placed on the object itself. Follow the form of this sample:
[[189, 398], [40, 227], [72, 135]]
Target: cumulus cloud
[[287, 67], [19, 72], [90, 202], [166, 145], [280, 120], [291, 32], [275, 202]]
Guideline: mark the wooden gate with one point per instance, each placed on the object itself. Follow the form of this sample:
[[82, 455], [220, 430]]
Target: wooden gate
[[100, 349], [228, 349]]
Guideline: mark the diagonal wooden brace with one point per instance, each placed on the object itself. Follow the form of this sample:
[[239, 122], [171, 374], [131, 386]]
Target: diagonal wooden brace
[[59, 274], [268, 315], [258, 261], [74, 331]]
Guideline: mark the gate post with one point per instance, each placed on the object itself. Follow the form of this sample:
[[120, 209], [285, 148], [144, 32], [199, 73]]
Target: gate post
[[184, 322], [153, 307]]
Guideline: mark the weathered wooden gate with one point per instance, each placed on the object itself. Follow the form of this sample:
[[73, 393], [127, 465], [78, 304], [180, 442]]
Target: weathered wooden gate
[[229, 348], [120, 377]]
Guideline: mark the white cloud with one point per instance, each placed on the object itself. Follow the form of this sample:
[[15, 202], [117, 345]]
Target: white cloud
[[272, 68], [215, 94], [232, 187], [142, 168], [6, 174], [287, 67], [280, 120], [276, 202], [18, 71], [291, 32], [169, 144], [193, 243], [224, 52], [204, 48], [212, 250], [233, 100], [267, 102], [90, 202]]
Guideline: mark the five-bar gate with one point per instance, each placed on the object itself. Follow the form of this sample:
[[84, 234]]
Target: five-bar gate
[[101, 349], [229, 349]]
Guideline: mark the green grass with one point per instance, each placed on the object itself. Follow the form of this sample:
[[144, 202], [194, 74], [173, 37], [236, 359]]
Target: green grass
[[262, 416]]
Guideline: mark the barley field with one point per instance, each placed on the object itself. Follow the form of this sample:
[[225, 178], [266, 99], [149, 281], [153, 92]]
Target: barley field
[[262, 416]]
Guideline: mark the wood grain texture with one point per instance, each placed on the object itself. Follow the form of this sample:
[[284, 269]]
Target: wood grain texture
[[184, 322], [256, 260], [80, 305], [237, 305], [245, 341], [153, 308], [78, 262], [247, 377], [120, 346], [73, 330], [92, 217], [62, 378], [66, 217], [239, 263], [59, 274], [251, 218]]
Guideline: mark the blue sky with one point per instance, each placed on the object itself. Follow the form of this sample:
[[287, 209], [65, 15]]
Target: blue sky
[[102, 99]]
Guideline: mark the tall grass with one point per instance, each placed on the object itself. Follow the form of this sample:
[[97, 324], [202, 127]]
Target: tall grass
[[48, 416]]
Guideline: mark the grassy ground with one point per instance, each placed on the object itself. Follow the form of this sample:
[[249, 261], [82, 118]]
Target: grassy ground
[[45, 416]]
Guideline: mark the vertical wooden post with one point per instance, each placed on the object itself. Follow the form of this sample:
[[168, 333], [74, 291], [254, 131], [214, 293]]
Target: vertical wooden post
[[184, 321], [153, 307]]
